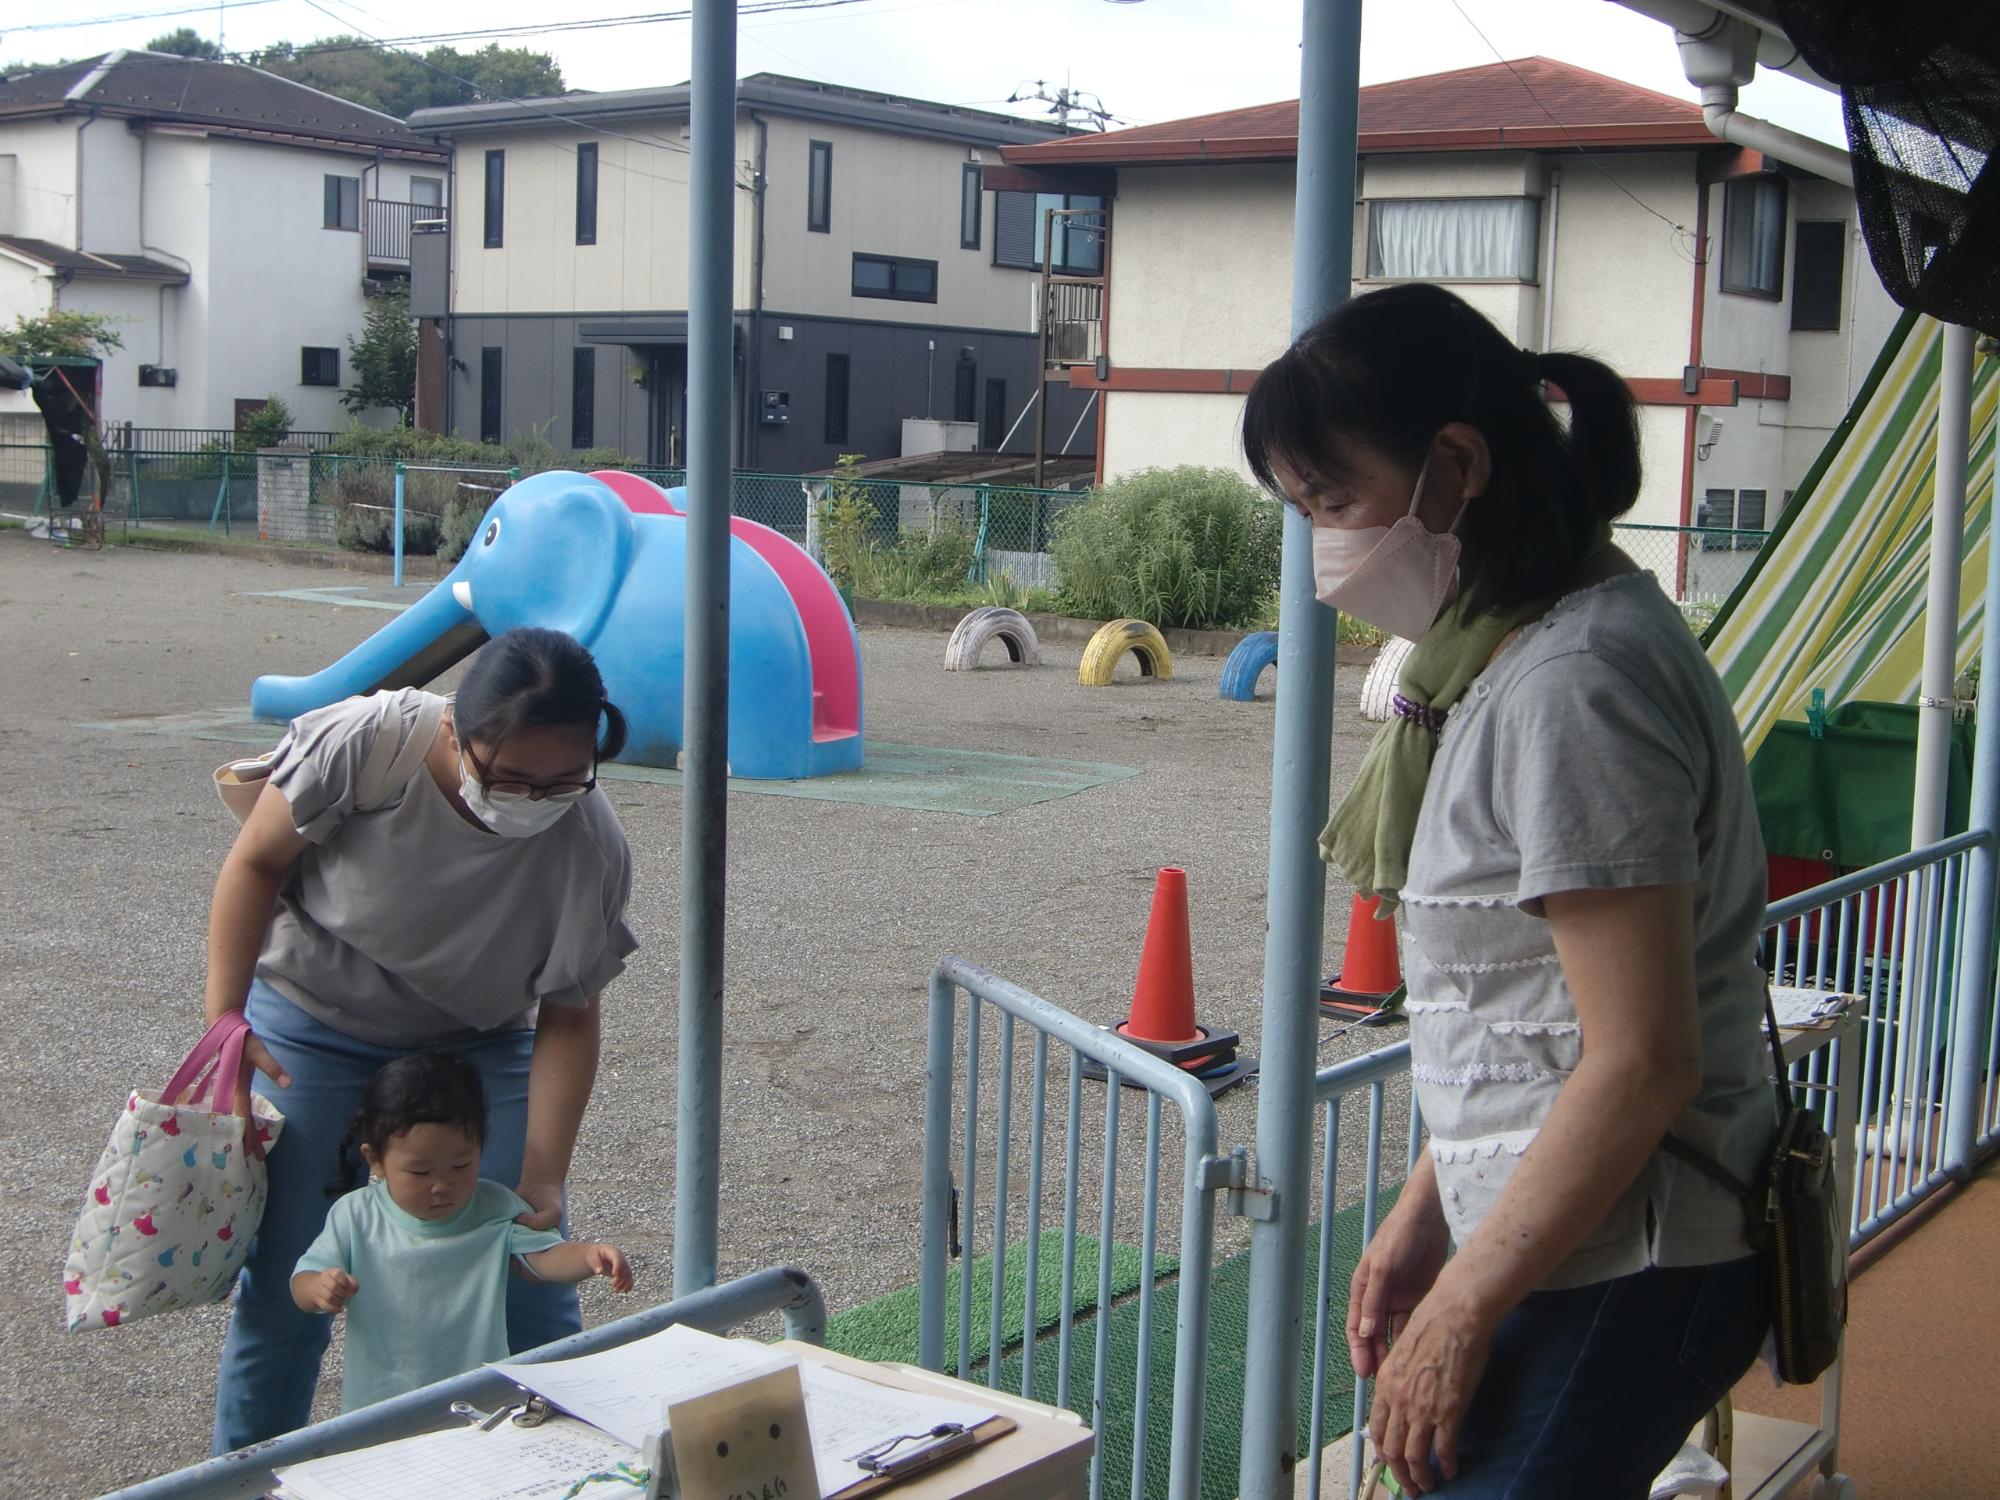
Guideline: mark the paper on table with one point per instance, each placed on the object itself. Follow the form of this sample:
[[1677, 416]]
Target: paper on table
[[462, 1463], [627, 1390], [1796, 1007]]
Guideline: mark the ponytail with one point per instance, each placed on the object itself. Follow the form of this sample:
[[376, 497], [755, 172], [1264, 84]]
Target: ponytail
[[1602, 444], [1390, 369]]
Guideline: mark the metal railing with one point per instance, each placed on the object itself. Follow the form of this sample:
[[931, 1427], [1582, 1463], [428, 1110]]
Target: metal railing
[[1333, 1088], [1923, 1044], [388, 228], [1202, 1173], [247, 1473], [1894, 935], [1076, 320]]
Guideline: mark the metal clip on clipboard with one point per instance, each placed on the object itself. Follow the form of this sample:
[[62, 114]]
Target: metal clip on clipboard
[[894, 1460]]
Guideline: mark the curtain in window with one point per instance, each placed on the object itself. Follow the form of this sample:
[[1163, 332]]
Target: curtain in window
[[1753, 235], [1453, 239]]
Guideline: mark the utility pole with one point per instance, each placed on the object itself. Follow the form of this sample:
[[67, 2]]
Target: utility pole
[[1064, 102]]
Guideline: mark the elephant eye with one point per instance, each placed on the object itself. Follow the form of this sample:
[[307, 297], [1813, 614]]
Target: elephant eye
[[492, 532]]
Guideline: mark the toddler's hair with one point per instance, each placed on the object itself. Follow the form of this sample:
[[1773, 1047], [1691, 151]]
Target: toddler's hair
[[427, 1088]]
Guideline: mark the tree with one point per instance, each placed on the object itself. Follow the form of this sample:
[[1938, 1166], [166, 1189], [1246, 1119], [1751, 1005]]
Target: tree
[[63, 334], [186, 42], [384, 359], [399, 84], [266, 427]]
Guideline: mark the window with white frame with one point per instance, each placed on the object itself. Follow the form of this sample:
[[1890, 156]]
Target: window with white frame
[[1454, 239]]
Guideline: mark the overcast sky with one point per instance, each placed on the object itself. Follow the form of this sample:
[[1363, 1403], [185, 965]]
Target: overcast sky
[[1148, 61]]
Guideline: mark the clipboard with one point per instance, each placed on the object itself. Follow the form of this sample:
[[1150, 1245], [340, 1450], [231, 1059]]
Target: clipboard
[[992, 1428]]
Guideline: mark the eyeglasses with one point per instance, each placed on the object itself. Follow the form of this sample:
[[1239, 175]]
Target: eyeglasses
[[525, 791]]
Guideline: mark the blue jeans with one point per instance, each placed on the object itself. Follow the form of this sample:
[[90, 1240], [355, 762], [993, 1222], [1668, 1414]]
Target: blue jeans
[[271, 1359], [1591, 1391]]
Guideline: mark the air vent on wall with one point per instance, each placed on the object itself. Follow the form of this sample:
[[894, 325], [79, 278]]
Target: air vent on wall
[[159, 375]]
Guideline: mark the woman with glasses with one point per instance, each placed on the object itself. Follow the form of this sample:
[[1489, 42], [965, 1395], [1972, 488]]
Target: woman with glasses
[[478, 908]]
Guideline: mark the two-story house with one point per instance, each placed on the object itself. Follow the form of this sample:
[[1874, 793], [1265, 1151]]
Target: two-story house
[[1733, 291], [230, 222], [877, 279]]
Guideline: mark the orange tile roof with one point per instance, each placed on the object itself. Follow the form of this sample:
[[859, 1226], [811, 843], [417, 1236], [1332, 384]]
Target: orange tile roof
[[1534, 102]]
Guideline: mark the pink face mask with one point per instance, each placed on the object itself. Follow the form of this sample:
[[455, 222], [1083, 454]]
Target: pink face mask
[[1398, 578]]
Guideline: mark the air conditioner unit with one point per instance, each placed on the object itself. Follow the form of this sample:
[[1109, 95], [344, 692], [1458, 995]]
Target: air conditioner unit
[[158, 375]]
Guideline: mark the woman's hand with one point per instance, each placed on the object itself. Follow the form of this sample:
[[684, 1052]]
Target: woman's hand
[[1425, 1386], [545, 1204], [1396, 1271], [257, 1058]]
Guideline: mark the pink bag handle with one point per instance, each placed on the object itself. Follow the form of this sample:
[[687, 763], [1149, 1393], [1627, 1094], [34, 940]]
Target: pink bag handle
[[212, 1067]]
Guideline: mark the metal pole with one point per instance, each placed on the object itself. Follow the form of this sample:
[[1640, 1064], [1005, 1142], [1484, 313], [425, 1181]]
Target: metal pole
[[399, 525], [1971, 1021], [1322, 254], [1937, 698], [1042, 348], [705, 756]]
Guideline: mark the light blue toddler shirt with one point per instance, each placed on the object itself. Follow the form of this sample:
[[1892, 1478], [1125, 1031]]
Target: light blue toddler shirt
[[432, 1298]]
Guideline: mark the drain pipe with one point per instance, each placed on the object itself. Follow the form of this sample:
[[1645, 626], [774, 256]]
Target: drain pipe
[[1726, 122], [1699, 21], [1549, 275]]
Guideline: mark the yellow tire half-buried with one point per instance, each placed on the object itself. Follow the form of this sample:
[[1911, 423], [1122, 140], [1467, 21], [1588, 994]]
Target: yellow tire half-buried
[[1100, 657]]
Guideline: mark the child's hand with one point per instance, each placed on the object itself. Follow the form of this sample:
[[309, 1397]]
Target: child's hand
[[328, 1290], [609, 1260]]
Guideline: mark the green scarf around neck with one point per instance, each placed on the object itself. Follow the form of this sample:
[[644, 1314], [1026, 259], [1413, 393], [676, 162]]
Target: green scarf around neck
[[1369, 835]]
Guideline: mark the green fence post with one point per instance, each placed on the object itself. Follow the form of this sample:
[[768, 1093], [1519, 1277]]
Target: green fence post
[[132, 509], [977, 572]]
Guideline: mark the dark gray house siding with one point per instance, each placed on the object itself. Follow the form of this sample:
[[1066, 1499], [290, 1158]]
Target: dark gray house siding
[[890, 367]]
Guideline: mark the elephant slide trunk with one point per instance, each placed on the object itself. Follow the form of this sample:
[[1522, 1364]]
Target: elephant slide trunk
[[426, 640]]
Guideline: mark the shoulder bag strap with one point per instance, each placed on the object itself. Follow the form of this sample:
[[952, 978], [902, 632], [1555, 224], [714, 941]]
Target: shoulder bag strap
[[391, 766], [1707, 1165]]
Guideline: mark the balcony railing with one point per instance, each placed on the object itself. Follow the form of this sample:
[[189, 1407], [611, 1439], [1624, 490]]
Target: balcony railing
[[1076, 320], [389, 225]]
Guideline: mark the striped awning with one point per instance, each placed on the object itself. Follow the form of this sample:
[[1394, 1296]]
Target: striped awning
[[1836, 599]]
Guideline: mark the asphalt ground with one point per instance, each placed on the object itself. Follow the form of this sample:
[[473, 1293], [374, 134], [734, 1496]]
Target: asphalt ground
[[110, 840]]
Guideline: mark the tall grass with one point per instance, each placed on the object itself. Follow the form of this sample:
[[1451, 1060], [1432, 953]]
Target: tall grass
[[1189, 547]]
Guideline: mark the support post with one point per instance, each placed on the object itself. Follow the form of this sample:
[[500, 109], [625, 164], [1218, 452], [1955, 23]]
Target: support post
[[705, 755], [1937, 698], [400, 472], [1295, 906], [1972, 1016]]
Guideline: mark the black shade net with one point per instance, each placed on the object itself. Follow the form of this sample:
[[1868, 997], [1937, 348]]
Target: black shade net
[[1920, 87]]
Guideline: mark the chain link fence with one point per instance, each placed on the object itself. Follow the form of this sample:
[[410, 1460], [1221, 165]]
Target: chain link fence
[[981, 535], [1698, 566]]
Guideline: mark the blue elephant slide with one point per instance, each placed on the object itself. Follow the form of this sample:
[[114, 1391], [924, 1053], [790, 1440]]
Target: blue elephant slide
[[608, 565]]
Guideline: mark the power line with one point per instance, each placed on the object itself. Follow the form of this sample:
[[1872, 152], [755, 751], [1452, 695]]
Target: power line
[[1679, 229], [136, 15]]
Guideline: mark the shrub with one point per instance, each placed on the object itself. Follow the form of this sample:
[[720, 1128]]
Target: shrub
[[365, 528], [266, 427], [460, 526], [845, 515], [1189, 547]]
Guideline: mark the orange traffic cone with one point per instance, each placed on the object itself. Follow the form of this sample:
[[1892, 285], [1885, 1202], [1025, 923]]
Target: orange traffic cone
[[1370, 972], [1163, 999], [1161, 1019]]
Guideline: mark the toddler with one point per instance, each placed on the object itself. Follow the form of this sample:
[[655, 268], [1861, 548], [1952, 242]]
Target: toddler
[[419, 1257]]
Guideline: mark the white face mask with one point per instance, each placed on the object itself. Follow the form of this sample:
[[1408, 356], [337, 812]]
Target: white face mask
[[512, 817], [1398, 578]]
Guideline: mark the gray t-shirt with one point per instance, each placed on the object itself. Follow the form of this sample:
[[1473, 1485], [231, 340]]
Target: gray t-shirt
[[1598, 752], [407, 926]]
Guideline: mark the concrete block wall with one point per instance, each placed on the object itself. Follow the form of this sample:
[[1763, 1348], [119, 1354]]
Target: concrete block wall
[[285, 508]]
